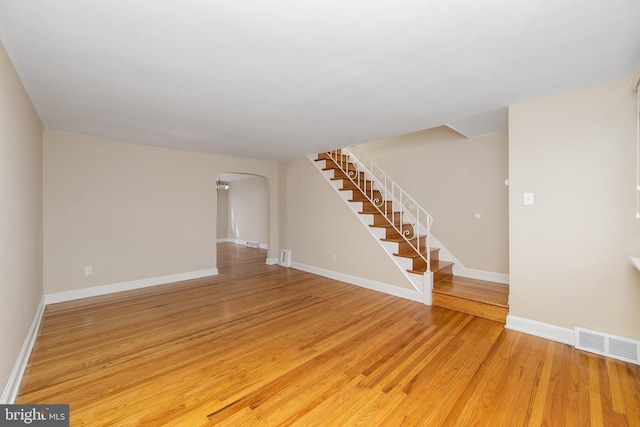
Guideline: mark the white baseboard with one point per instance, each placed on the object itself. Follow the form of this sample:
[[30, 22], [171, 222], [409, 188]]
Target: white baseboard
[[460, 270], [540, 329], [240, 242], [488, 276], [126, 286], [272, 261], [13, 384], [373, 285]]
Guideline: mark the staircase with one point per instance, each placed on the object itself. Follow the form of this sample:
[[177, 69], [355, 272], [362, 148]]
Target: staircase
[[405, 235]]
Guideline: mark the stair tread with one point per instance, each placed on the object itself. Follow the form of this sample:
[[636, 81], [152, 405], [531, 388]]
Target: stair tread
[[400, 239], [347, 179], [472, 289], [395, 214], [389, 225], [363, 200], [412, 253], [436, 265]]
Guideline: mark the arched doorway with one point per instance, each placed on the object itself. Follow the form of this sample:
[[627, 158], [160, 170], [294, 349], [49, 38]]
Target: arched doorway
[[243, 214]]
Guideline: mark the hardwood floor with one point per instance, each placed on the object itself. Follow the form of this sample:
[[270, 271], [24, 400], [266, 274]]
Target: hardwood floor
[[267, 345]]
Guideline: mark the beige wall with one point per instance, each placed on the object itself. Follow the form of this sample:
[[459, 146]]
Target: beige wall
[[131, 211], [223, 215], [569, 253], [318, 224], [454, 178], [248, 204], [20, 215]]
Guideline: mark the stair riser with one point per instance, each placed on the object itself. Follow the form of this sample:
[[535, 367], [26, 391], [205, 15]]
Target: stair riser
[[358, 195], [379, 219], [392, 233], [368, 207], [421, 242], [340, 175], [442, 273], [330, 164], [479, 309]]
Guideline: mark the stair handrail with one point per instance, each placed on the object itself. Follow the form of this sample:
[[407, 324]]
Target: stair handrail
[[411, 222]]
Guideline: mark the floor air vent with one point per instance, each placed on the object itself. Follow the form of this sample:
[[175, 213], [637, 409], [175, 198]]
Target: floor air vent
[[252, 244], [608, 345]]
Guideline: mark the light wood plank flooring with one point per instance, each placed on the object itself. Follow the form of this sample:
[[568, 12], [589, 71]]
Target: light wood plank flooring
[[266, 345]]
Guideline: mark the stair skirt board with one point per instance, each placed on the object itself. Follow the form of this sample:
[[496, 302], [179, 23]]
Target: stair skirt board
[[417, 281], [458, 268]]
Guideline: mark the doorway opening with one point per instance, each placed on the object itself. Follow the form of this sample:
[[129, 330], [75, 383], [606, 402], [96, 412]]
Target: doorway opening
[[242, 217]]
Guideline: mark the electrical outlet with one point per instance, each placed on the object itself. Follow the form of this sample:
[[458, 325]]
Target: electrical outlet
[[88, 271], [334, 258], [528, 199]]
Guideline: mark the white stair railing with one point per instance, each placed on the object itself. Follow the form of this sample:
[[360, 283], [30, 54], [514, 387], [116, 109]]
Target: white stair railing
[[406, 216]]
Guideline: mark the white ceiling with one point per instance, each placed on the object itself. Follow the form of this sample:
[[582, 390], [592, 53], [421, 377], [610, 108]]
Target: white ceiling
[[281, 79]]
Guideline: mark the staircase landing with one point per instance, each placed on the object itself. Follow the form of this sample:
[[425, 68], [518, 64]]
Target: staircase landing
[[480, 298]]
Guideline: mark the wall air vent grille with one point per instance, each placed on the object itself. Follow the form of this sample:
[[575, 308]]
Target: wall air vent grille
[[591, 341], [625, 349], [285, 258]]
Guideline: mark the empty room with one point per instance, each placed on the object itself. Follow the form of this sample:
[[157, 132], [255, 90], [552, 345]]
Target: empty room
[[320, 213]]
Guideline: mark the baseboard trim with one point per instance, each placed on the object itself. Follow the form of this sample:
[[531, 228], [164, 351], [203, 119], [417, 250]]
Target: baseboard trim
[[540, 329], [126, 286], [240, 242], [272, 261], [460, 270], [488, 276], [15, 378], [13, 384], [373, 285]]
